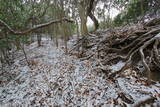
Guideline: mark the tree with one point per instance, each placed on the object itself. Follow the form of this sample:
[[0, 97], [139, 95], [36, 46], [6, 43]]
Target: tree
[[19, 18], [132, 12], [83, 16]]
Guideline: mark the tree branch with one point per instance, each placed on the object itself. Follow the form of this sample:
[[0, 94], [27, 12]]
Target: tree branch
[[35, 27]]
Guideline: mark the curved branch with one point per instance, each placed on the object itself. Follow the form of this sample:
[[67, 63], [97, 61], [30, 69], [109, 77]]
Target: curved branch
[[35, 27]]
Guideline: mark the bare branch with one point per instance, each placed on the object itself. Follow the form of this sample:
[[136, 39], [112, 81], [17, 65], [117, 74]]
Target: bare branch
[[35, 27]]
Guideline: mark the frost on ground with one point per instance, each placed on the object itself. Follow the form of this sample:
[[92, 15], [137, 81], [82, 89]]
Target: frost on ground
[[60, 80]]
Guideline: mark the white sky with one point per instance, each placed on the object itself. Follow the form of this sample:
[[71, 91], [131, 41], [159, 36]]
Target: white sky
[[114, 12]]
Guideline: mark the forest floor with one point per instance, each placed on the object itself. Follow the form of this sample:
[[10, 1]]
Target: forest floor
[[56, 79]]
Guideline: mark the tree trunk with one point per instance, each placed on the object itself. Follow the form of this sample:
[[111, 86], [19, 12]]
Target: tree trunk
[[39, 37], [77, 36], [90, 14], [142, 8], [83, 17], [96, 24], [17, 44], [56, 40]]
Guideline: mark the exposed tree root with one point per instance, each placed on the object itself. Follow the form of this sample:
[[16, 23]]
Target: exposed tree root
[[142, 102], [133, 51], [142, 46], [139, 47], [143, 57], [124, 96]]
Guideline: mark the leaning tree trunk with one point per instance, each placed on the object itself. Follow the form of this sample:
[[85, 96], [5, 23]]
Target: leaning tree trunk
[[96, 24], [91, 15]]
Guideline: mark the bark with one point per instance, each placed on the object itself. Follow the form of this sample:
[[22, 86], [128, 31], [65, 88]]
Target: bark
[[83, 17]]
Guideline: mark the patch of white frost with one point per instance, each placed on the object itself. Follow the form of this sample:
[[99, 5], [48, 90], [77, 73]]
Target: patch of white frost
[[59, 80], [158, 35], [117, 66]]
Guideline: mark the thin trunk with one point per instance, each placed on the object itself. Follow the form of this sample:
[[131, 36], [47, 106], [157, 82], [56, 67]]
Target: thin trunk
[[56, 41], [65, 36], [17, 44], [65, 41], [104, 18], [56, 34], [77, 36], [39, 38], [142, 8], [25, 55]]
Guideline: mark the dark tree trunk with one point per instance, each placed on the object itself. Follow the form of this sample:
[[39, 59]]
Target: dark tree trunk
[[96, 24], [90, 14], [39, 38]]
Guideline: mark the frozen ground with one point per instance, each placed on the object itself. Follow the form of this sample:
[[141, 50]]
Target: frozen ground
[[60, 80]]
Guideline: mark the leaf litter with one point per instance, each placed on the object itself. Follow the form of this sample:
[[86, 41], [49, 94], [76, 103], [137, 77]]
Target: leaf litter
[[57, 79]]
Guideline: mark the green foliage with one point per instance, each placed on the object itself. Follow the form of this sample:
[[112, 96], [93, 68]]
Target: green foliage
[[118, 20], [18, 14], [134, 11]]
